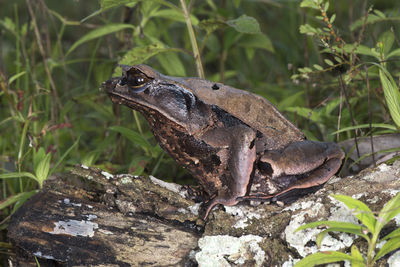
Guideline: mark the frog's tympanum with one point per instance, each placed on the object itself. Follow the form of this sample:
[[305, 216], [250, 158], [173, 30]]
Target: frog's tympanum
[[235, 143]]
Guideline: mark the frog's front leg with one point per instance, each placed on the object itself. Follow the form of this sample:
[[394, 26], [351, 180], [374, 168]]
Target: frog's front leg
[[314, 162], [240, 142]]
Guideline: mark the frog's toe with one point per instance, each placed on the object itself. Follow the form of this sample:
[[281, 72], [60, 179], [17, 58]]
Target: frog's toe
[[208, 206]]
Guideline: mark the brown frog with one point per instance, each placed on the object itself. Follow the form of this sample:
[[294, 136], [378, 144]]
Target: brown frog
[[235, 143]]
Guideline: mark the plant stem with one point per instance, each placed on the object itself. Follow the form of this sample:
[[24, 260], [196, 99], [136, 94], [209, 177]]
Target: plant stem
[[371, 248], [193, 41]]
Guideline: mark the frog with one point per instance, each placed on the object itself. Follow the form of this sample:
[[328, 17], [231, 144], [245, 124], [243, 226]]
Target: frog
[[235, 143]]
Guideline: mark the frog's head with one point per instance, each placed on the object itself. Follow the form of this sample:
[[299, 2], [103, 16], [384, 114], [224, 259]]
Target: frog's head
[[144, 89]]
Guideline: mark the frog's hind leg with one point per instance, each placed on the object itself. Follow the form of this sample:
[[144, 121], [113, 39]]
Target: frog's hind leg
[[325, 166]]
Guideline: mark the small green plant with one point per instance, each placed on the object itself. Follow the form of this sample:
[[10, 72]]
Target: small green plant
[[369, 230], [360, 61]]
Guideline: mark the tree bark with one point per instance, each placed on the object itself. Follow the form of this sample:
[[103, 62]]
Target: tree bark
[[93, 218]]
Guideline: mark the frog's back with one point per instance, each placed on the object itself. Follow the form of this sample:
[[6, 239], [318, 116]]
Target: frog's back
[[254, 110]]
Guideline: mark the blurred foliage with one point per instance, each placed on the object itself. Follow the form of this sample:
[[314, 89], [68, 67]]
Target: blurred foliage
[[54, 55]]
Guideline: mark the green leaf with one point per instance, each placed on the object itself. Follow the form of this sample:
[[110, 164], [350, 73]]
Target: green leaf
[[140, 54], [15, 77], [333, 224], [359, 49], [326, 6], [64, 155], [38, 156], [372, 18], [42, 169], [394, 233], [318, 67], [106, 4], [309, 3], [15, 198], [17, 175], [211, 25], [387, 38], [360, 210], [257, 41], [9, 25], [99, 32], [175, 15], [245, 24], [332, 19], [325, 257], [308, 29], [90, 158], [133, 136], [388, 247], [338, 59], [388, 212], [361, 126], [379, 13], [172, 64], [22, 198], [392, 95], [357, 255], [394, 53], [328, 62], [307, 113], [341, 229]]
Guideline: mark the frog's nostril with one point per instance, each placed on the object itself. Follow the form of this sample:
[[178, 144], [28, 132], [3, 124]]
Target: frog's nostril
[[215, 86], [122, 81]]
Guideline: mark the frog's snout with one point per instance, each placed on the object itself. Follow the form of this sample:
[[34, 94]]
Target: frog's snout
[[109, 85]]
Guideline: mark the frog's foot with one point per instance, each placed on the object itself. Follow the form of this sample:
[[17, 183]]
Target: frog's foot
[[215, 201]]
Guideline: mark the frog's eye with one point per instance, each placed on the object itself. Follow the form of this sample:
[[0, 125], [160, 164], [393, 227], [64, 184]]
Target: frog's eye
[[135, 80]]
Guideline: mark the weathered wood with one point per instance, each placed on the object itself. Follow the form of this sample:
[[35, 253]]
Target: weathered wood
[[135, 221], [76, 226]]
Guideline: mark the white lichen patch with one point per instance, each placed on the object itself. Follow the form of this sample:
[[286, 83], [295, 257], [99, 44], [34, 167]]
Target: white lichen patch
[[394, 260], [358, 196], [68, 202], [384, 173], [84, 167], [300, 206], [333, 180], [194, 209], [182, 210], [290, 263], [41, 255], [126, 180], [91, 217], [75, 228], [372, 200], [242, 215], [107, 175], [391, 192], [170, 186], [397, 220], [300, 239], [222, 250], [106, 232], [339, 212]]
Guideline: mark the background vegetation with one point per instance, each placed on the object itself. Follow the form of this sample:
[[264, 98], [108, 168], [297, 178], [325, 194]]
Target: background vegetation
[[307, 57]]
